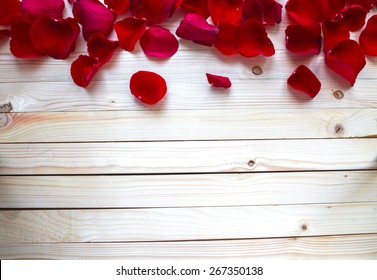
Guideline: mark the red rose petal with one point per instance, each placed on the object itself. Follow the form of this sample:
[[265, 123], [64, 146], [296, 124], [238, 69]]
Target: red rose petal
[[306, 11], [54, 37], [194, 27], [366, 4], [118, 6], [159, 42], [218, 81], [83, 70], [39, 8], [20, 43], [225, 38], [353, 17], [101, 48], [4, 33], [304, 80], [94, 17], [334, 7], [199, 7], [368, 37], [333, 33], [129, 31], [265, 11], [304, 39], [347, 59], [251, 40], [8, 10], [148, 87], [153, 11], [229, 11]]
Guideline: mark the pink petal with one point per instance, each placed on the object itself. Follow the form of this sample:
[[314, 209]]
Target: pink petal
[[129, 31], [218, 81], [118, 6], [153, 11], [159, 42]]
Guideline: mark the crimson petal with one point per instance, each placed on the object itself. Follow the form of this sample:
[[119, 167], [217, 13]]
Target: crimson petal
[[225, 38], [39, 8], [101, 48], [366, 4], [83, 70], [347, 59], [265, 11], [333, 33], [353, 17], [159, 42], [153, 11], [4, 33], [304, 80], [368, 37], [118, 6], [8, 10], [129, 31], [148, 87], [229, 11], [306, 11], [251, 40], [218, 81], [199, 7], [304, 39]]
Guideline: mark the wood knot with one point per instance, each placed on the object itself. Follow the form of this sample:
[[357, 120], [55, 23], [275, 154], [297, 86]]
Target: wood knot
[[338, 94], [6, 108], [257, 70], [304, 227], [251, 163], [339, 128]]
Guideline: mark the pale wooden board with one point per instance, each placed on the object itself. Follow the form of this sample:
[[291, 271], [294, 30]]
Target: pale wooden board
[[203, 223], [188, 156], [323, 248], [187, 125], [187, 190]]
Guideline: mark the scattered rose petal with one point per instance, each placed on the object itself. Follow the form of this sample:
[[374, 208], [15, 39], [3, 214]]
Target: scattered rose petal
[[333, 33], [159, 42], [347, 59], [83, 70], [46, 8], [229, 11], [366, 4], [265, 11], [218, 81], [304, 39], [153, 11], [4, 33], [306, 11], [94, 17], [199, 7], [194, 27], [304, 80], [8, 10], [129, 31], [101, 48], [368, 37], [353, 17], [118, 6], [148, 87], [225, 38], [251, 40]]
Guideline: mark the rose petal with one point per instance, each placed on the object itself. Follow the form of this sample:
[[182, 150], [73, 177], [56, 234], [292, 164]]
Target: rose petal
[[159, 42], [251, 40], [101, 48], [303, 39], [304, 80], [368, 37], [148, 87], [9, 9], [54, 37], [225, 38], [83, 70], [4, 33], [39, 8], [333, 33], [347, 59], [229, 11], [265, 11], [366, 4], [194, 27], [199, 7], [153, 11], [218, 81], [20, 43], [118, 6], [129, 31], [353, 17], [94, 17]]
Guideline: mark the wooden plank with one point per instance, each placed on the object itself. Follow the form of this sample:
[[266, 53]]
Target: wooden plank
[[203, 223], [187, 125], [187, 157], [324, 247], [187, 190]]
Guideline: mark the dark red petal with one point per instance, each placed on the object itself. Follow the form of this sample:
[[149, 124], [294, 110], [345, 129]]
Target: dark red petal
[[334, 7], [194, 27], [159, 42], [153, 11], [225, 38], [20, 43], [229, 11], [347, 59], [8, 10], [148, 87], [129, 31], [118, 6], [251, 40], [218, 81], [83, 70], [368, 37], [94, 17], [39, 8], [303, 39], [101, 48], [54, 37], [199, 7], [366, 4], [333, 33], [4, 33], [304, 80], [265, 11], [353, 17], [306, 11]]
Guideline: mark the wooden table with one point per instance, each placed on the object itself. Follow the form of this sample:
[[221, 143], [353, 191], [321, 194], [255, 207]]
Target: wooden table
[[255, 171]]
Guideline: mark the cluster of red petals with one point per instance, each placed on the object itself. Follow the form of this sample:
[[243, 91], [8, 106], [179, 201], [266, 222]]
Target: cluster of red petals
[[218, 81], [304, 80], [9, 9]]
